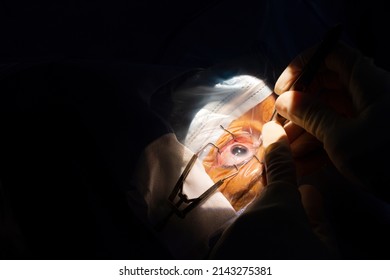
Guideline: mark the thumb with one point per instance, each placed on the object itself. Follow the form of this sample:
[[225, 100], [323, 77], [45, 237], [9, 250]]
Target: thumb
[[278, 158], [309, 113]]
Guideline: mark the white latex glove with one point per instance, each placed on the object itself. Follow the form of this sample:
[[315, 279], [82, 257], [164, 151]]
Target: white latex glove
[[345, 109], [275, 226]]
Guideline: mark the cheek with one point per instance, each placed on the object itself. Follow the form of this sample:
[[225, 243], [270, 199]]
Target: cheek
[[241, 189], [239, 196]]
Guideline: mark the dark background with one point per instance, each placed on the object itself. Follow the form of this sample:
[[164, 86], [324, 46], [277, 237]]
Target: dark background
[[62, 164], [143, 31]]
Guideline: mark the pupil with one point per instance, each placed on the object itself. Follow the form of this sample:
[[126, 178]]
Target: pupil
[[239, 150]]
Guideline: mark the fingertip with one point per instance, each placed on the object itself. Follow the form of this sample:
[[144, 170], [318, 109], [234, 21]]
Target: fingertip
[[285, 104], [282, 102], [273, 132], [292, 105], [286, 79]]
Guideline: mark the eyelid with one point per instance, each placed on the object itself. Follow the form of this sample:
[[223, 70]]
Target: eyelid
[[225, 156]]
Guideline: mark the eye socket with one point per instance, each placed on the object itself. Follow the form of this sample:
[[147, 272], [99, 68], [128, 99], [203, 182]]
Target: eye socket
[[237, 151]]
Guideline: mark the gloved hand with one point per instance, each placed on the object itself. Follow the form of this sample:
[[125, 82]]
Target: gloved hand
[[275, 225], [345, 109]]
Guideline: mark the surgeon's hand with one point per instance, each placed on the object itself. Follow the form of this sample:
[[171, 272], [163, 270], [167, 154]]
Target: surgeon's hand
[[276, 226], [345, 109]]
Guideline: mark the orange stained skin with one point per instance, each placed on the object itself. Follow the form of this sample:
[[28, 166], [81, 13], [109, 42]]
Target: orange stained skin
[[243, 188]]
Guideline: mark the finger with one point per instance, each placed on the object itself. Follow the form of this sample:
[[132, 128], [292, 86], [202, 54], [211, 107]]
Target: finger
[[310, 114], [277, 156], [358, 74], [304, 144], [301, 142], [293, 131], [342, 60], [292, 71]]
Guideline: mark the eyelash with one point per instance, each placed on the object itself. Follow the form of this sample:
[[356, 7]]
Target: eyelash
[[237, 151]]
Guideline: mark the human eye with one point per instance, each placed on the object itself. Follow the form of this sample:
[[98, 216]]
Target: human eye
[[237, 151]]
